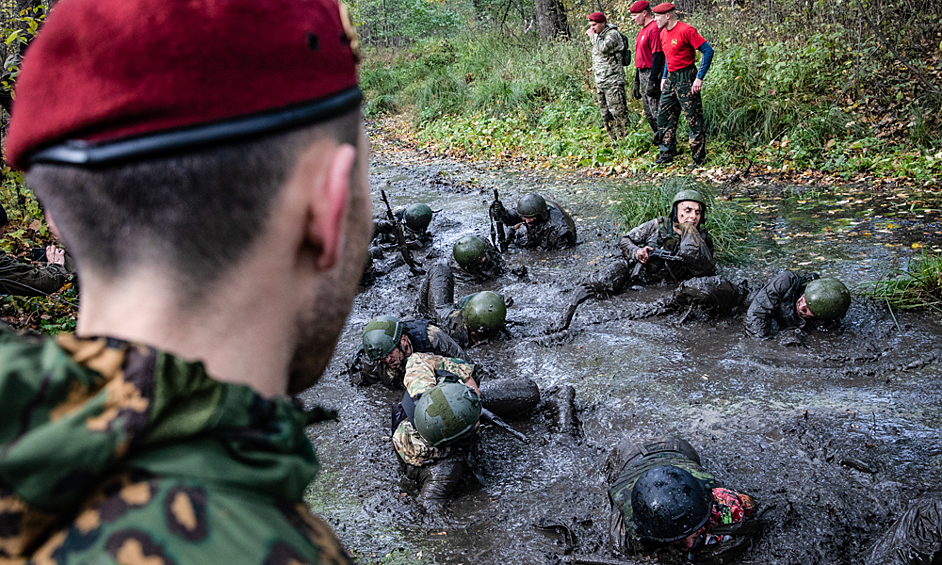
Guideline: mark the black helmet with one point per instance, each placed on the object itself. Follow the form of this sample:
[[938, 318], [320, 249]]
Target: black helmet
[[417, 217], [533, 206], [669, 504], [692, 196], [469, 250]]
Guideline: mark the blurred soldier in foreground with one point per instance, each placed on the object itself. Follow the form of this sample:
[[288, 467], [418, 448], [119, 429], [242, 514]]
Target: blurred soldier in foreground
[[546, 225], [660, 495], [159, 433], [793, 300], [25, 280]]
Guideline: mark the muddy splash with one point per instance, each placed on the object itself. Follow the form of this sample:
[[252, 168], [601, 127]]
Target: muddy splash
[[833, 437]]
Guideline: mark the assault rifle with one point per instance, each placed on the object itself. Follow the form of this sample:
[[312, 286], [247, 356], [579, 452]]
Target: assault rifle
[[663, 255], [401, 239], [489, 416], [498, 238]]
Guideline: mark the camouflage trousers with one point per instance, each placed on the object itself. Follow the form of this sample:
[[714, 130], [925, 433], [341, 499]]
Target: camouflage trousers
[[677, 95], [649, 103], [614, 107]]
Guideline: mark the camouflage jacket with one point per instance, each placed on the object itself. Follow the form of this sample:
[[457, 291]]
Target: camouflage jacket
[[557, 232], [773, 306], [112, 452], [24, 280], [420, 377], [622, 528], [607, 48], [695, 246], [424, 338]]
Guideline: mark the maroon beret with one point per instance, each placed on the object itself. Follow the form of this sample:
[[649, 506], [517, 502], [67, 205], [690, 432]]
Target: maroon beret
[[639, 6], [110, 80], [663, 8], [598, 17]]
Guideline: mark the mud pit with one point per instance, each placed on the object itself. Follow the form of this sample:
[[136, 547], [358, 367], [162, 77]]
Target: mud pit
[[833, 438]]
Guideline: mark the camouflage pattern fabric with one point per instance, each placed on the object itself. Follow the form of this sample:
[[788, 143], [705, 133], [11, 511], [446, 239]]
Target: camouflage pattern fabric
[[649, 103], [772, 307], [557, 232], [24, 280], [420, 377], [694, 244], [607, 48], [112, 452], [676, 96], [368, 373], [639, 460]]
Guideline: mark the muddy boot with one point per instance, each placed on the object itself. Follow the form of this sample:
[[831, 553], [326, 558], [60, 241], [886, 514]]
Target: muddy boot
[[510, 398], [437, 290], [562, 324], [439, 482], [561, 402]]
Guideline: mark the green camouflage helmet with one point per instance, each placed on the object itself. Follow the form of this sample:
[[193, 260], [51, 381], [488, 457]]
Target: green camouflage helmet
[[418, 217], [380, 336], [485, 313], [693, 196], [469, 250], [828, 299], [447, 413], [532, 206]]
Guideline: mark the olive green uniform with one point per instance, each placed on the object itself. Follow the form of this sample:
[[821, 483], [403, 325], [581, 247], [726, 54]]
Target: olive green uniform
[[112, 452], [772, 307], [24, 280]]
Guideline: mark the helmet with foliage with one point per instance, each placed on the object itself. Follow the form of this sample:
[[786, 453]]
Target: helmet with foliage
[[447, 413], [485, 313], [417, 217], [381, 335], [533, 206], [828, 299], [469, 250], [689, 195], [669, 504]]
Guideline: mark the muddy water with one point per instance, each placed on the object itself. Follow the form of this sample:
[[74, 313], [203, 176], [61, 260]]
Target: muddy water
[[833, 438]]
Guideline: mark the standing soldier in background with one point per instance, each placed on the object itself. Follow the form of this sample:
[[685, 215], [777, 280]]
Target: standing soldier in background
[[608, 48], [681, 84], [160, 431], [649, 62]]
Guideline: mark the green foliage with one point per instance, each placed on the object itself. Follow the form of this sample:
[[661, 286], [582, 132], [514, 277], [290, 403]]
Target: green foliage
[[728, 223], [919, 286], [16, 30]]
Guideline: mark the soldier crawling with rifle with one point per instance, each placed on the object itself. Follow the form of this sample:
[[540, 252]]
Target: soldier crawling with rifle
[[416, 218], [671, 248], [537, 224]]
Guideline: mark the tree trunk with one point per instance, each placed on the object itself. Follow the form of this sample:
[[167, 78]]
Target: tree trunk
[[551, 17]]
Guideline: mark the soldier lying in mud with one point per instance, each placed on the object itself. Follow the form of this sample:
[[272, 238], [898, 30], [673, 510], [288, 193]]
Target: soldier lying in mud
[[546, 225], [661, 496], [471, 319], [680, 237]]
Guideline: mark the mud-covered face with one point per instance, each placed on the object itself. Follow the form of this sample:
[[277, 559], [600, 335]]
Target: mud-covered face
[[802, 308], [689, 212], [398, 355]]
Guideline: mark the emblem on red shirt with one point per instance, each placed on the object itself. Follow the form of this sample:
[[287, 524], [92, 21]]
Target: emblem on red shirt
[[673, 42]]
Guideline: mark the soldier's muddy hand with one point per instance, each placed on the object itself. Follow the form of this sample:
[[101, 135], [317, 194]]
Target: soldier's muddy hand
[[642, 254]]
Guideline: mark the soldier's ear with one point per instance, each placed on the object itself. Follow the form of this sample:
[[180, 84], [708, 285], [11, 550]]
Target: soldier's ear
[[327, 192]]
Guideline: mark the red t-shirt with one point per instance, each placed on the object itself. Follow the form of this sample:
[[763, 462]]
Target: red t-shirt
[[679, 45], [646, 45]]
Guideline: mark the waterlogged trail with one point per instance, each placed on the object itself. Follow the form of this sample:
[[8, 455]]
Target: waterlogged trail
[[833, 438]]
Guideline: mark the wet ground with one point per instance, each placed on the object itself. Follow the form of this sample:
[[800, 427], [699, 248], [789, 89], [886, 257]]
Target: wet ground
[[833, 438]]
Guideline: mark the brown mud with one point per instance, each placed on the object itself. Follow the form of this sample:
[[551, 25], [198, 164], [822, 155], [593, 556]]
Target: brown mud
[[833, 436]]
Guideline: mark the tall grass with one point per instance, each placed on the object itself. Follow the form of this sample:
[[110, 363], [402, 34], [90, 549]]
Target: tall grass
[[728, 223], [919, 286]]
